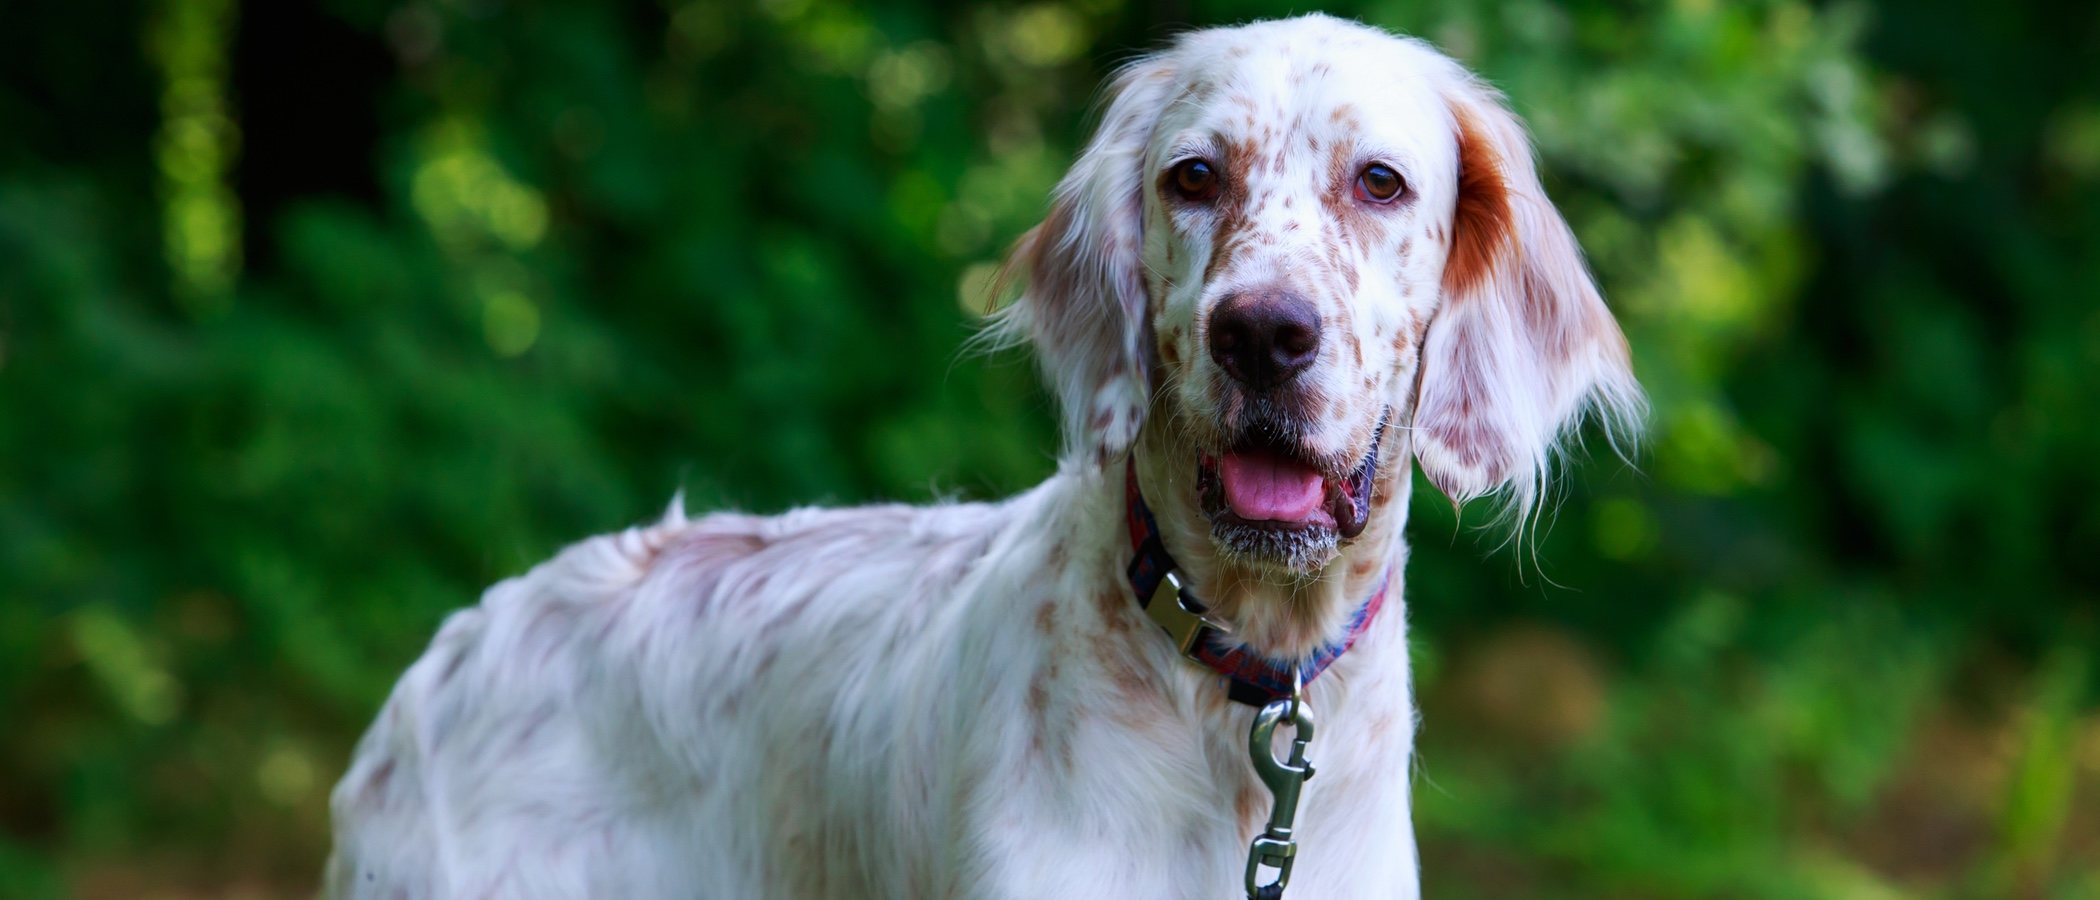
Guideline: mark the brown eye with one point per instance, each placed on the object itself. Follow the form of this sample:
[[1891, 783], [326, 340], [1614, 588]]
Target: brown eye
[[1194, 179], [1379, 184]]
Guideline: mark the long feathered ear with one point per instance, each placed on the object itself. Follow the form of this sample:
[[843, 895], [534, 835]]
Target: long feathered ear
[[1084, 304], [1522, 344]]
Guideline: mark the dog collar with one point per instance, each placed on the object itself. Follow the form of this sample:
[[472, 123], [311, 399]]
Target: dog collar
[[1253, 679]]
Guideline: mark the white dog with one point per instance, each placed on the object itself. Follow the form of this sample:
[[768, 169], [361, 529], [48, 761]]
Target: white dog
[[1295, 256]]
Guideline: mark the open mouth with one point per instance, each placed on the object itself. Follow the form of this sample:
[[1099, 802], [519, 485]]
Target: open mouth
[[1267, 497]]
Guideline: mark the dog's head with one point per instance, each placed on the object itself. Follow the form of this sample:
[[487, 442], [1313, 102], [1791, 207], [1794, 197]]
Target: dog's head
[[1296, 253]]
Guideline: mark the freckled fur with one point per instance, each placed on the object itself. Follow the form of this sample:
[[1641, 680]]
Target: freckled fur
[[961, 700]]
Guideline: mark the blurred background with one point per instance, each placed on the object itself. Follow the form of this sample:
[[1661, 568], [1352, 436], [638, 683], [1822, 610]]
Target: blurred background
[[316, 318]]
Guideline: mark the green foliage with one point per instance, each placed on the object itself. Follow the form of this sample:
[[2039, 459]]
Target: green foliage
[[271, 403]]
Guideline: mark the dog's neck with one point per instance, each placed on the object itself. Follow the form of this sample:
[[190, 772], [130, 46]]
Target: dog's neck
[[1278, 615]]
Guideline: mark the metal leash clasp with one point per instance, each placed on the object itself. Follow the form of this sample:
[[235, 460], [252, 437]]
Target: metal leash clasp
[[1277, 847]]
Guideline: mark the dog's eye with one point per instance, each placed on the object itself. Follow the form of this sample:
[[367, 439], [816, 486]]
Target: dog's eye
[[1378, 183], [1194, 179]]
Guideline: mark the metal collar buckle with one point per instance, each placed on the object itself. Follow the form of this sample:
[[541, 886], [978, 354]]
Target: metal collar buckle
[[1184, 620]]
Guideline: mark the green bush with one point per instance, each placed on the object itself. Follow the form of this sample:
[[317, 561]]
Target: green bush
[[315, 321]]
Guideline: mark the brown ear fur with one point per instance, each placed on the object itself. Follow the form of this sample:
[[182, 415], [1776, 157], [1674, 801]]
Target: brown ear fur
[[1523, 343], [1480, 223]]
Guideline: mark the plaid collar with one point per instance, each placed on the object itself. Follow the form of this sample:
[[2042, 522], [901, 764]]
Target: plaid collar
[[1254, 679]]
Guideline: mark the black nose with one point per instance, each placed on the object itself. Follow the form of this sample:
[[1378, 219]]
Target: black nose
[[1264, 338]]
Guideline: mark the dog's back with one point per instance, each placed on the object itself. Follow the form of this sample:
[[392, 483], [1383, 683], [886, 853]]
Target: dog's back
[[670, 710]]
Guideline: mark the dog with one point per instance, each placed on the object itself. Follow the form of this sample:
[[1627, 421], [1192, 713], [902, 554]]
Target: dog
[[1296, 259]]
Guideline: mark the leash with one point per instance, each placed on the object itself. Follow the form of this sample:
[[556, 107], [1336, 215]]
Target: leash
[[1275, 688]]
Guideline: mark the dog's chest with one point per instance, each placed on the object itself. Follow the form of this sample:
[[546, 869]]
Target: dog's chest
[[1130, 806]]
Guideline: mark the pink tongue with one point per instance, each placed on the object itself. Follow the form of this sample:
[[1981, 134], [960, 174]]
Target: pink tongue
[[1263, 487]]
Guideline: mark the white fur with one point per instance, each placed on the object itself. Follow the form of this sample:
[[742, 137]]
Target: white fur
[[964, 701]]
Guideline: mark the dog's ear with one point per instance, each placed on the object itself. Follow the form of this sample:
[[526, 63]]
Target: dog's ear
[[1084, 303], [1522, 344]]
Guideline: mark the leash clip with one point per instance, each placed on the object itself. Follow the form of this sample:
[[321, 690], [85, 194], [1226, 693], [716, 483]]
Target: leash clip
[[1277, 847]]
